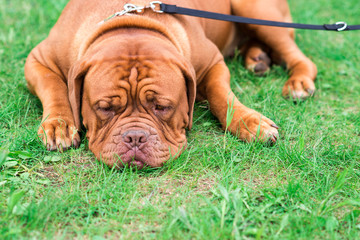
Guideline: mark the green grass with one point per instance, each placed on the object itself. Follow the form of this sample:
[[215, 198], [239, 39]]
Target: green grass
[[305, 187]]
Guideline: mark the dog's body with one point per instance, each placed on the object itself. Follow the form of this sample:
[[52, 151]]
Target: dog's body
[[134, 78]]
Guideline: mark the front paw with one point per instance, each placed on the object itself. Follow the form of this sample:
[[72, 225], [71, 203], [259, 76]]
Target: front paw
[[59, 134], [256, 127], [299, 88]]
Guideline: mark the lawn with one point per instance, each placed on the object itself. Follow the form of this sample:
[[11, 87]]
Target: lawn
[[307, 186]]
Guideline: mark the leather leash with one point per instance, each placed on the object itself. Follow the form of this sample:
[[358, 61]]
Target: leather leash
[[173, 9], [160, 7]]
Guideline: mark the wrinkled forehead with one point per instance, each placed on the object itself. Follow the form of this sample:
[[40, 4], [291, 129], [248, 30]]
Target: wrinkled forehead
[[160, 75]]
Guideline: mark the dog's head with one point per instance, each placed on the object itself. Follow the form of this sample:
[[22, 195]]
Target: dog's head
[[135, 99]]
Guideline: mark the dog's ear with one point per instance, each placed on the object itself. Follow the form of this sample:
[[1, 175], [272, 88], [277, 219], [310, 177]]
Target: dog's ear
[[189, 74], [75, 83]]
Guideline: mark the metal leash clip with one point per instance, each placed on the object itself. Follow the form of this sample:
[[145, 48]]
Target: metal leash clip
[[343, 27], [156, 6], [129, 8]]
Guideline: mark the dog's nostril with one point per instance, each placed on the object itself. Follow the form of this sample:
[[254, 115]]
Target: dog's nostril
[[135, 137], [143, 139], [128, 139]]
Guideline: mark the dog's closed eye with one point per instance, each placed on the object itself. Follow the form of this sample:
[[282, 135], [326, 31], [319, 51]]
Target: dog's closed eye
[[160, 107], [104, 106]]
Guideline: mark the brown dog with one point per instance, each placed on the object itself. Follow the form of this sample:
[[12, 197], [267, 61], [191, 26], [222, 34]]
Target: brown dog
[[134, 78]]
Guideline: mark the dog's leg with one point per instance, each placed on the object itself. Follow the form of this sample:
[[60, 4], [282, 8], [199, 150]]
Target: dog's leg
[[243, 122], [281, 42], [57, 130]]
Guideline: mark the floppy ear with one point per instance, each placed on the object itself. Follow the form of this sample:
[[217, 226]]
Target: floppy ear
[[190, 77], [75, 83]]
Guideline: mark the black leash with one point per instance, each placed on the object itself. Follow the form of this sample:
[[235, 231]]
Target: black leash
[[173, 9]]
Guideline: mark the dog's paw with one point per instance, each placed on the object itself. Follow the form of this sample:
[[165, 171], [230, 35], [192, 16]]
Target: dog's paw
[[256, 127], [259, 65], [57, 134], [299, 88]]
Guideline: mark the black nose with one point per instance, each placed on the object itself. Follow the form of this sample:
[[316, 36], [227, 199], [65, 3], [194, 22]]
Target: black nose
[[135, 138]]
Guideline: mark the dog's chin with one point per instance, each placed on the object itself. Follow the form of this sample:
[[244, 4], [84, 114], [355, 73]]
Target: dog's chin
[[135, 158]]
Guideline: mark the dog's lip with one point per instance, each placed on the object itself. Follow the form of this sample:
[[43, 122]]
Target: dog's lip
[[135, 158], [136, 163]]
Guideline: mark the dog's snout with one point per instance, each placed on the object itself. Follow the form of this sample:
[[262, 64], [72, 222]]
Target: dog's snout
[[135, 138]]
